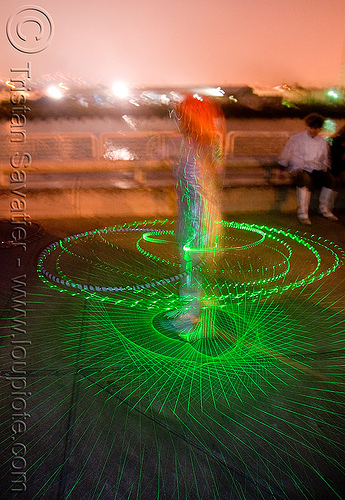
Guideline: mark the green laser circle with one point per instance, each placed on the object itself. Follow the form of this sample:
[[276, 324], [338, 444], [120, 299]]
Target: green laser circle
[[242, 247], [170, 371], [113, 293], [147, 237]]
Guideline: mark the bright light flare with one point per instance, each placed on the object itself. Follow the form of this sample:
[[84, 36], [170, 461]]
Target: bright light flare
[[333, 94], [54, 92], [120, 89]]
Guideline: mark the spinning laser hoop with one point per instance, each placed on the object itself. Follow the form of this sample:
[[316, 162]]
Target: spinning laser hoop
[[133, 261], [137, 267]]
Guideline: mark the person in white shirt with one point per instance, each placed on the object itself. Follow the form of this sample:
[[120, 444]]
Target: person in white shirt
[[307, 157]]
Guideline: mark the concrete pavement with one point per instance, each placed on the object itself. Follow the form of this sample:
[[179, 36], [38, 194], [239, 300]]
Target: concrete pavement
[[116, 408]]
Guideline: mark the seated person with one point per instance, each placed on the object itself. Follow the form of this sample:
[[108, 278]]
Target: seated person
[[307, 157]]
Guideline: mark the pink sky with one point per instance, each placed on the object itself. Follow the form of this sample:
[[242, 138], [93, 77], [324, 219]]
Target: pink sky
[[159, 42]]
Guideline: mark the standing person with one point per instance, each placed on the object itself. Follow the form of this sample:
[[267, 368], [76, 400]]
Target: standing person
[[307, 157], [197, 181]]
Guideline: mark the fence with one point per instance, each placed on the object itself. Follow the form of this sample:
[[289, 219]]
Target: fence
[[136, 146]]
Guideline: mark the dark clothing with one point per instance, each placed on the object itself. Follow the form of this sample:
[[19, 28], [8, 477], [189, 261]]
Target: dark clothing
[[314, 179], [338, 156]]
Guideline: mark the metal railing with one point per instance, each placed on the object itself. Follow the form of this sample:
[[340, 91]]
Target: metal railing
[[255, 143], [61, 161], [136, 146], [52, 147]]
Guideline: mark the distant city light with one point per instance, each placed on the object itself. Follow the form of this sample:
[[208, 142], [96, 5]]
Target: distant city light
[[134, 102], [176, 97], [333, 94], [288, 104], [82, 101], [212, 91], [120, 89], [54, 92], [216, 92], [281, 88], [98, 99], [63, 86], [130, 122], [164, 99]]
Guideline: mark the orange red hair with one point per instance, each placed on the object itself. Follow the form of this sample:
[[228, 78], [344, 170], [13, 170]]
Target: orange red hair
[[200, 119]]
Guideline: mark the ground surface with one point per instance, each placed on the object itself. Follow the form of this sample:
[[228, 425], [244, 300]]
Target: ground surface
[[119, 407]]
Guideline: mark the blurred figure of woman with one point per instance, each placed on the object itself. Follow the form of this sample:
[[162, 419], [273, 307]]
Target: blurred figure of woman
[[198, 190]]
